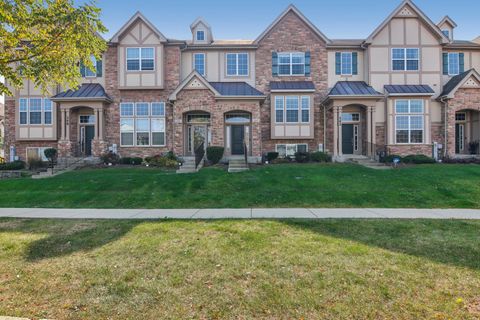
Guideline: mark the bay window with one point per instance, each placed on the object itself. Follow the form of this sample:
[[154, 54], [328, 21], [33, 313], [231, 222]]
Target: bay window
[[409, 121], [142, 124], [292, 109]]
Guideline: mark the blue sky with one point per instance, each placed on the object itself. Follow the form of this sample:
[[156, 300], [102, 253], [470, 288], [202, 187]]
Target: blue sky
[[246, 19]]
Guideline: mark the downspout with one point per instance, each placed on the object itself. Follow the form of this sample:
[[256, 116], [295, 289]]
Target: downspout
[[324, 127], [445, 139], [171, 104]]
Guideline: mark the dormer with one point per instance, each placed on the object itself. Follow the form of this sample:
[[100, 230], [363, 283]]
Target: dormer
[[446, 25], [201, 32]]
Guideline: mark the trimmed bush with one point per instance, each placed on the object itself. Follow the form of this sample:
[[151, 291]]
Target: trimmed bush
[[272, 156], [35, 163], [302, 157], [389, 158], [110, 157], [320, 156], [163, 161], [15, 165], [132, 161], [417, 159], [214, 154]]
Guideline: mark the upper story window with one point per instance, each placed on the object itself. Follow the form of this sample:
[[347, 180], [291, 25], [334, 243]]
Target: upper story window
[[409, 121], [292, 109], [405, 59], [92, 73], [237, 64], [453, 63], [291, 63], [199, 63], [446, 32], [142, 124], [346, 63], [35, 111], [140, 59], [200, 35]]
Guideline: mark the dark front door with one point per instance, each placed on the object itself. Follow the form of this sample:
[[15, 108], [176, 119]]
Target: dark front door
[[237, 139], [347, 138], [89, 134]]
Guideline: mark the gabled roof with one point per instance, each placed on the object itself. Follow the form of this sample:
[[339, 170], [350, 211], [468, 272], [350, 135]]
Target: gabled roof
[[190, 77], [353, 88], [86, 91], [131, 21], [198, 21], [456, 82], [448, 20], [410, 90], [282, 86], [236, 89], [292, 8], [420, 14]]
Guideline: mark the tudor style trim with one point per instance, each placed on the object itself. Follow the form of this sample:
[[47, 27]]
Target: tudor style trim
[[421, 15], [131, 21], [292, 8], [190, 77]]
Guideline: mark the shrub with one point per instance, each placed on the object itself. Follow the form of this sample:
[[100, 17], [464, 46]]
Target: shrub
[[132, 161], [287, 159], [35, 163], [302, 157], [320, 156], [15, 165], [272, 156], [417, 159], [163, 161], [110, 157], [171, 156], [214, 154], [389, 158]]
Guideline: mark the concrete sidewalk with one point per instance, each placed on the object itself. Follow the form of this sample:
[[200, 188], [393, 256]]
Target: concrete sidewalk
[[248, 213]]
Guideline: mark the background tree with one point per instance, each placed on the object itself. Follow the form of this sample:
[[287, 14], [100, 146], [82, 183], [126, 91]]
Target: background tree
[[45, 40]]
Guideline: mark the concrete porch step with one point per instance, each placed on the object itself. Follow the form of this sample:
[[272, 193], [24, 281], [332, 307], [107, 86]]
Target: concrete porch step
[[237, 165]]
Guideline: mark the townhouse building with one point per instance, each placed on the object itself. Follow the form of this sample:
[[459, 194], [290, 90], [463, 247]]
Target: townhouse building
[[409, 88]]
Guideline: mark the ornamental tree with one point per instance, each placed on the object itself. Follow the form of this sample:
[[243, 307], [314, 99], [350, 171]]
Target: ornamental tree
[[45, 40]]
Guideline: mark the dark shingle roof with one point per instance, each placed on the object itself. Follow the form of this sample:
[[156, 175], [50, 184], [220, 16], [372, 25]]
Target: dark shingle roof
[[235, 89], [85, 91], [353, 88], [292, 85], [463, 43], [454, 82], [409, 89]]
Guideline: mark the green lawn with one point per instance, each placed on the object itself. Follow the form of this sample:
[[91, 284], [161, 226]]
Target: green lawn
[[253, 269], [330, 185]]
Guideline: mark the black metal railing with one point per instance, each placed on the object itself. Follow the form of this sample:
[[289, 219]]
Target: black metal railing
[[199, 154], [245, 152]]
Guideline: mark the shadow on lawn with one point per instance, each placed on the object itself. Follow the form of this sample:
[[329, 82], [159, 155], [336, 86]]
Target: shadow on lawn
[[67, 236], [446, 241]]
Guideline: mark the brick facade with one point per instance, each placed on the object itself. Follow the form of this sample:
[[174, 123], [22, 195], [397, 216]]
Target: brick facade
[[291, 34]]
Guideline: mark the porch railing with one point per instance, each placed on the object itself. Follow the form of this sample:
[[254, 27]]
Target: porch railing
[[245, 152], [199, 154]]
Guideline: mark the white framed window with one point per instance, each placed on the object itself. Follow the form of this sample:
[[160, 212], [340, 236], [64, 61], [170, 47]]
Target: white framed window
[[291, 63], [279, 109], [289, 150], [47, 111], [292, 109], [305, 109], [350, 117], [140, 59], [346, 63], [460, 116], [87, 119], [237, 64], [446, 32], [23, 102], [91, 73], [37, 111], [405, 59], [199, 63], [142, 124], [453, 63], [409, 121], [200, 35], [36, 153]]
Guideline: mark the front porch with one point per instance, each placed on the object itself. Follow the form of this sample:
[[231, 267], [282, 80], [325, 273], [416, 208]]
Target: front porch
[[82, 121]]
